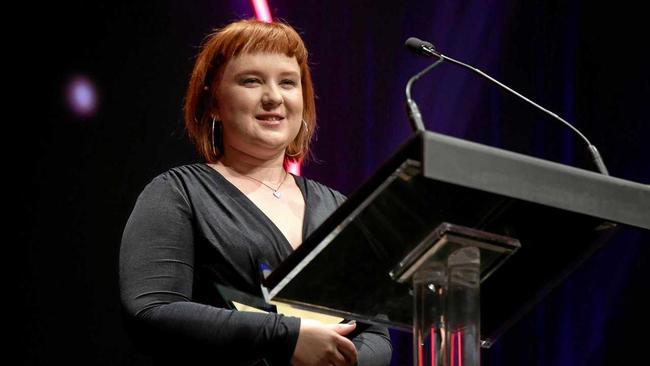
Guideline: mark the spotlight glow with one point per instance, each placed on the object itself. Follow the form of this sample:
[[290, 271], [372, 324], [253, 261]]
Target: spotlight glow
[[82, 96], [293, 168], [262, 11]]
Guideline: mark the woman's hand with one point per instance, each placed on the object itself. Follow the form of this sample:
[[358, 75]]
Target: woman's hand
[[324, 345]]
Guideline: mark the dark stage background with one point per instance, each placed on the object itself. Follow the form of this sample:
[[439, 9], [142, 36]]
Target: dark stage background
[[584, 60]]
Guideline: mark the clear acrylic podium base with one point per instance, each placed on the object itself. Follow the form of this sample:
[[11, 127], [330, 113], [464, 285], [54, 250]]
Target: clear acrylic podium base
[[446, 271]]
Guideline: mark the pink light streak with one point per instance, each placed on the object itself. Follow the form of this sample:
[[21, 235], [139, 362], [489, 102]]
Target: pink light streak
[[460, 350], [262, 11], [433, 346], [452, 353], [420, 351], [293, 168]]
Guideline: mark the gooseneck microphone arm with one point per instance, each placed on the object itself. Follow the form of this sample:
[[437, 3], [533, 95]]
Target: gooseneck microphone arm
[[413, 111], [426, 49]]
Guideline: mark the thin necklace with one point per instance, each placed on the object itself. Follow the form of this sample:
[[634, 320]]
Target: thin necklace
[[276, 192]]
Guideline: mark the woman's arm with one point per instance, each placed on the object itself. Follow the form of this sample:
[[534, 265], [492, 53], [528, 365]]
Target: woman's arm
[[156, 279]]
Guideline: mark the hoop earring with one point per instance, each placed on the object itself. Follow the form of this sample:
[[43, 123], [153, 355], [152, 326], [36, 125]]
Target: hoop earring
[[296, 154], [301, 147], [217, 144]]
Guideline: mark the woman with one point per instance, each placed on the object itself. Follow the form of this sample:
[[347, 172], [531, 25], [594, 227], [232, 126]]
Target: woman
[[249, 109]]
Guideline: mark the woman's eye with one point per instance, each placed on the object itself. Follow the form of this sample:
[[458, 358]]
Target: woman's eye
[[289, 82], [251, 81]]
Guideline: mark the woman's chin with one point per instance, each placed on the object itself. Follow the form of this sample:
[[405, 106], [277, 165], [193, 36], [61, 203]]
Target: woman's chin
[[272, 145]]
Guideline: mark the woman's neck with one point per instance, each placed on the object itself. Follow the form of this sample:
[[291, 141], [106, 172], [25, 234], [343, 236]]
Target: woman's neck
[[263, 169]]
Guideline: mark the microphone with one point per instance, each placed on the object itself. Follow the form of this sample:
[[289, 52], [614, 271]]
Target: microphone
[[411, 107], [420, 47], [426, 49]]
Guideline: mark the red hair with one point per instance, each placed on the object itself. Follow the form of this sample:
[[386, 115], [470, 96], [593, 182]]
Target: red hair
[[242, 37]]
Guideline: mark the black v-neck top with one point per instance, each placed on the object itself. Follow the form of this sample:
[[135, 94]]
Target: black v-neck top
[[192, 229]]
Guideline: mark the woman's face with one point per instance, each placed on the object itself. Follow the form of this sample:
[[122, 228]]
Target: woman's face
[[259, 101]]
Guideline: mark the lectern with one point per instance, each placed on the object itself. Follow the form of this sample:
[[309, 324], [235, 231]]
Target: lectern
[[444, 220]]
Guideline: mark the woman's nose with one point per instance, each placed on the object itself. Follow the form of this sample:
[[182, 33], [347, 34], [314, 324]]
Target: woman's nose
[[272, 96]]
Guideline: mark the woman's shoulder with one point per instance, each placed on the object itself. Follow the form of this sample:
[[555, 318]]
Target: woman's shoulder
[[183, 183], [182, 178], [321, 190], [186, 171], [183, 174]]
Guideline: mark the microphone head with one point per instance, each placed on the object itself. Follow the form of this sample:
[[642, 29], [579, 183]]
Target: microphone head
[[420, 47]]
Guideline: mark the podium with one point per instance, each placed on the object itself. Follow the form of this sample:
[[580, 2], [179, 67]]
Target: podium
[[521, 224]]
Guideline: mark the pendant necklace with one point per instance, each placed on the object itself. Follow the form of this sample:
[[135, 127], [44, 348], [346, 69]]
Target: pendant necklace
[[276, 191]]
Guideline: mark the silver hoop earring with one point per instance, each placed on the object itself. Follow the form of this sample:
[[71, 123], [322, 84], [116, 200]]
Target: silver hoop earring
[[294, 155], [213, 150], [304, 123], [217, 141]]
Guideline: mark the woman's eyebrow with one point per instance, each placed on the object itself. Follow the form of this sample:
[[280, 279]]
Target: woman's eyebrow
[[260, 72]]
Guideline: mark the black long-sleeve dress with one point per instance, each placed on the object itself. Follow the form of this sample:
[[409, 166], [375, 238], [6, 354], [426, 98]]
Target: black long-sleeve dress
[[192, 229]]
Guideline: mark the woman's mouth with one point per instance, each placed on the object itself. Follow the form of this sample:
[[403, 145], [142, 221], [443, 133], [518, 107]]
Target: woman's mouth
[[270, 119]]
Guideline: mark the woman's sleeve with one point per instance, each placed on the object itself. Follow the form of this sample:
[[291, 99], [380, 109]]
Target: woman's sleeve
[[373, 347], [156, 279]]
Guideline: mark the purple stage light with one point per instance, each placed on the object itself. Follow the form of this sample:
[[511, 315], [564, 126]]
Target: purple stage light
[[82, 96]]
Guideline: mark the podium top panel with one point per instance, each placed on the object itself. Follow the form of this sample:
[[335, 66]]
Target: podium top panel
[[535, 180], [559, 214]]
